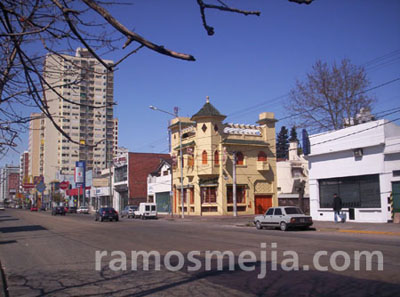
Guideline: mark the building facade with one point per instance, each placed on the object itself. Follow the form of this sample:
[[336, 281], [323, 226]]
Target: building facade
[[23, 170], [159, 185], [214, 155], [362, 165], [293, 188], [83, 80], [9, 186], [36, 144], [130, 172]]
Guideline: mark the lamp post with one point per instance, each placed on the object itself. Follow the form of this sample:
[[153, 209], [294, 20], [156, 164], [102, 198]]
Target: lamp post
[[180, 151]]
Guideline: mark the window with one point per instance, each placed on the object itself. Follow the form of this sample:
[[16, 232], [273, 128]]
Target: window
[[278, 212], [121, 174], [208, 194], [204, 157], [239, 158], [240, 194], [355, 191], [216, 157], [262, 156], [269, 212]]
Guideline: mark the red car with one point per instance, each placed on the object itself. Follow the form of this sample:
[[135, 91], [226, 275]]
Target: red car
[[34, 208]]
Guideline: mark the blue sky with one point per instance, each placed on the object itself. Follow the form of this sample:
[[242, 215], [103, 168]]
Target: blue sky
[[249, 62]]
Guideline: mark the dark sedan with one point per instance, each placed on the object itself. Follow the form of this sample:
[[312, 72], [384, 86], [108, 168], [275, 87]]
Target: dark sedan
[[58, 210], [72, 209], [106, 213]]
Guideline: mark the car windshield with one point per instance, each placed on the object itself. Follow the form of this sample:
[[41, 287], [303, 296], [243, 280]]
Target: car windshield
[[293, 210]]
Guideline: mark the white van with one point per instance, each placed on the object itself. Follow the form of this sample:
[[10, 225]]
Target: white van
[[146, 211]]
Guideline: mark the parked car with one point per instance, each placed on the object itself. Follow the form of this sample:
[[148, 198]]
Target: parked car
[[34, 208], [83, 209], [58, 210], [129, 211], [146, 211], [72, 209], [43, 208], [284, 218], [106, 213]]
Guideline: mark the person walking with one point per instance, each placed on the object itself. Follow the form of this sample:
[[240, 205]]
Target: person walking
[[337, 207]]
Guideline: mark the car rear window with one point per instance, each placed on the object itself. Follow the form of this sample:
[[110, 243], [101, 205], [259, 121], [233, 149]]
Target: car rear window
[[278, 212], [293, 210]]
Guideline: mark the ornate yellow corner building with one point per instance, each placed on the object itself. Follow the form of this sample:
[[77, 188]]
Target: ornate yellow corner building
[[208, 148]]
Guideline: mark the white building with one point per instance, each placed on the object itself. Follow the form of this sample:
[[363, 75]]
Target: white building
[[362, 165], [159, 187], [292, 178]]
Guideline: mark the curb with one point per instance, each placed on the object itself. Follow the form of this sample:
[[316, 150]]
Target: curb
[[3, 284], [370, 232]]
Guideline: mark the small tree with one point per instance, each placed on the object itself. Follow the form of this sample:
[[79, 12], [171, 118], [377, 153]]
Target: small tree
[[330, 97], [282, 144], [293, 134]]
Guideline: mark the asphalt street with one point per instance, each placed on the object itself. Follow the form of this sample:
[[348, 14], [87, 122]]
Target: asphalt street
[[44, 255]]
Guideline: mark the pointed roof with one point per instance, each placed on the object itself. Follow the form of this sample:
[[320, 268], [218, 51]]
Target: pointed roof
[[207, 111]]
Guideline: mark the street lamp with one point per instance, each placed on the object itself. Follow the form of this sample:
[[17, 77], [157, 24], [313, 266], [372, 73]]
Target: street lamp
[[175, 114]]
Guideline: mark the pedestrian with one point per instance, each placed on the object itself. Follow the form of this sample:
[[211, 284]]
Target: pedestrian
[[337, 207]]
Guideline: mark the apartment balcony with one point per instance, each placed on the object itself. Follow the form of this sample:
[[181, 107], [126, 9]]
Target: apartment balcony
[[207, 169], [189, 171], [296, 164], [262, 165]]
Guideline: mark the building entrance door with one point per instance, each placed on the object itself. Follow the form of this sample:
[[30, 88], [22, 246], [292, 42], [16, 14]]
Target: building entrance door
[[262, 203]]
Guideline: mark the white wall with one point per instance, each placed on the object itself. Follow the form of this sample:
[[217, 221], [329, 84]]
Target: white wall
[[159, 184], [330, 159]]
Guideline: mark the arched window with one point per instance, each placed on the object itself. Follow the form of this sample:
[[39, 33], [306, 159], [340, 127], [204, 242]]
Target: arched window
[[216, 157], [204, 157], [239, 158], [262, 156]]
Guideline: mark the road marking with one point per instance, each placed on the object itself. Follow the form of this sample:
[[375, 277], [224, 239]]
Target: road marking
[[371, 232]]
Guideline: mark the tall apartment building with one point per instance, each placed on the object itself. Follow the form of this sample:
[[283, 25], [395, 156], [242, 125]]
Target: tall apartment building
[[23, 169], [115, 148], [87, 84], [36, 144]]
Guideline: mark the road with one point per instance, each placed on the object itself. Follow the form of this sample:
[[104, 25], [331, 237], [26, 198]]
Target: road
[[43, 255]]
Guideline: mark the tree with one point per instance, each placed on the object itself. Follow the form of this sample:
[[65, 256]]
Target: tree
[[330, 97], [293, 134], [29, 29], [282, 144]]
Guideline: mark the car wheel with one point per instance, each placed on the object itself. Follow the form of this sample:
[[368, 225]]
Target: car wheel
[[283, 226], [116, 219], [95, 218], [258, 225]]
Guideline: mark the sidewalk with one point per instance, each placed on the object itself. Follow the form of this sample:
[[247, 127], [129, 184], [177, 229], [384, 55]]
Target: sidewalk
[[247, 220]]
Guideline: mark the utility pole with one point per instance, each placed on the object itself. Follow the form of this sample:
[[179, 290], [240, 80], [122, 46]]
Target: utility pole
[[175, 114], [181, 164], [234, 186], [110, 174]]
